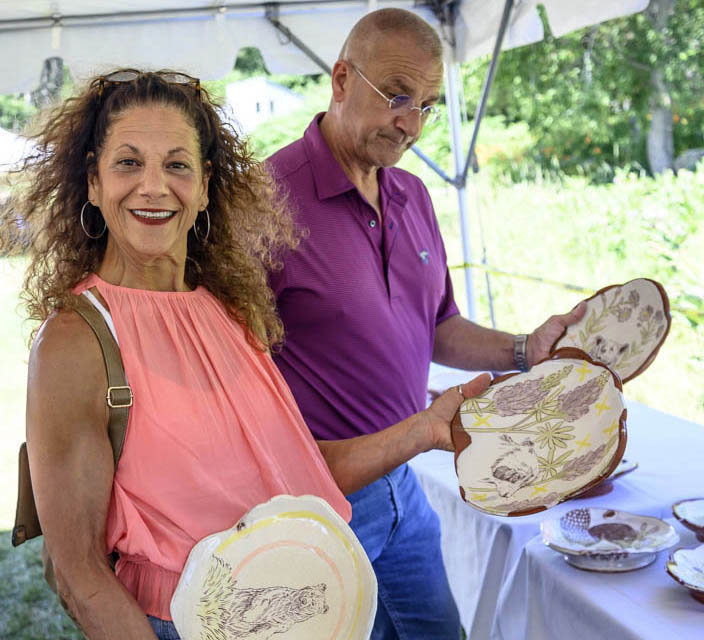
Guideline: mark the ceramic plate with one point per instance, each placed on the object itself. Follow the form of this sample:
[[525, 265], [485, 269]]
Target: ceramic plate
[[687, 567], [623, 327], [624, 466], [607, 540], [606, 485], [691, 514], [540, 437], [290, 569]]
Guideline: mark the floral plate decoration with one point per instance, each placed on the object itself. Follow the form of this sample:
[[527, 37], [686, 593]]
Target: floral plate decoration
[[624, 326], [540, 437], [691, 514], [290, 569], [624, 466], [686, 566], [607, 540]]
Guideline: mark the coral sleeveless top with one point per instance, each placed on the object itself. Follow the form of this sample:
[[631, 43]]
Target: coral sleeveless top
[[214, 431]]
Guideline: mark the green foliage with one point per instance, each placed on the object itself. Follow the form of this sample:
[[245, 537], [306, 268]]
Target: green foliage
[[14, 112], [587, 95]]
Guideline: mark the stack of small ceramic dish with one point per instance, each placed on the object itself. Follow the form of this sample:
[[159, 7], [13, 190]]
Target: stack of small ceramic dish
[[686, 566], [290, 566], [606, 540]]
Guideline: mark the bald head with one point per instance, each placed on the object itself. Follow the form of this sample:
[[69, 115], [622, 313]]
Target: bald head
[[367, 37]]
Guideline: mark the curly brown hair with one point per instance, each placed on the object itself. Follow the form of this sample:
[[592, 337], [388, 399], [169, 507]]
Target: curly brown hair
[[250, 223]]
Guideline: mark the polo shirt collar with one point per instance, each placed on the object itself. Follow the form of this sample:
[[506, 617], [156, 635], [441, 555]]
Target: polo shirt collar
[[330, 180]]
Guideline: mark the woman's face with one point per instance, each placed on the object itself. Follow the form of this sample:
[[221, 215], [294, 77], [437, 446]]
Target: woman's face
[[150, 185]]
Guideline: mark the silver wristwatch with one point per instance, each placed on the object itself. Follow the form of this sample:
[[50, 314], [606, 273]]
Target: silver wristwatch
[[519, 351]]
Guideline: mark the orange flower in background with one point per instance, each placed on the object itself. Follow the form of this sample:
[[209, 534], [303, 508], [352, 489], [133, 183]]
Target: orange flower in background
[[675, 118], [587, 139], [597, 150]]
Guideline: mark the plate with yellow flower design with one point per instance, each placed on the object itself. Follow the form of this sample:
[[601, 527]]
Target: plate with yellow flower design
[[541, 437], [624, 326]]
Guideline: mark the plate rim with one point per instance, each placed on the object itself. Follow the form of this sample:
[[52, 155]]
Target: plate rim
[[671, 561]]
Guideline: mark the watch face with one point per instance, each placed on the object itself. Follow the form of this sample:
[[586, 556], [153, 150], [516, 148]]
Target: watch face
[[541, 437]]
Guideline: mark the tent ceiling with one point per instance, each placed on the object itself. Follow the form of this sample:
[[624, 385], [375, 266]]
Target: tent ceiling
[[203, 37]]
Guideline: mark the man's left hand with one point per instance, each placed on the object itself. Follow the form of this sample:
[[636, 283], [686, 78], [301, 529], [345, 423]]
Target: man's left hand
[[542, 339]]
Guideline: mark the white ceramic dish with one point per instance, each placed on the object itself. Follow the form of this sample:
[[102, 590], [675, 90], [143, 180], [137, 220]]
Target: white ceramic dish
[[607, 540], [540, 437], [290, 569], [691, 514], [624, 326], [686, 566]]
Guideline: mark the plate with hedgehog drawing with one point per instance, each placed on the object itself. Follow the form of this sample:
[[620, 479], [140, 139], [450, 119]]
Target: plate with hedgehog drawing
[[691, 514], [686, 566], [290, 569], [540, 437], [624, 326], [608, 540]]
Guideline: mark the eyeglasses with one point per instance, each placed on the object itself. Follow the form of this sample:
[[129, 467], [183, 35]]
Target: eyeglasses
[[403, 105], [130, 75]]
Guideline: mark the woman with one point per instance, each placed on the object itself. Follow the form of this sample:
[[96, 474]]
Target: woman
[[140, 195]]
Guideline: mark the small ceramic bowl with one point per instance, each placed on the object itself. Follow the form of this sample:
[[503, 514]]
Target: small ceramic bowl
[[686, 566], [606, 540], [606, 486], [691, 514]]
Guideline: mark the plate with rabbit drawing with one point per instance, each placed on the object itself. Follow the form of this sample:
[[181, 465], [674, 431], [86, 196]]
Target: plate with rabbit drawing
[[624, 326], [540, 437], [290, 569], [608, 540]]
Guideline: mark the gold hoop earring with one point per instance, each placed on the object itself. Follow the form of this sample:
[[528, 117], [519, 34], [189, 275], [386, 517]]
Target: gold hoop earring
[[207, 232], [83, 224]]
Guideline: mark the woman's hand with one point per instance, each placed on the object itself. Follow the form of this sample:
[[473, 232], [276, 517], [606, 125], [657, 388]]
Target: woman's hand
[[440, 413]]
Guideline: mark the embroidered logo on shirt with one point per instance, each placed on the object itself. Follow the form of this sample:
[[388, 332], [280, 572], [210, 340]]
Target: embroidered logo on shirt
[[424, 255]]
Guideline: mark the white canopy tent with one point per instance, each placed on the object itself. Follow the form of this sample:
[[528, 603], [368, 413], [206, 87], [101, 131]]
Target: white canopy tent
[[203, 38]]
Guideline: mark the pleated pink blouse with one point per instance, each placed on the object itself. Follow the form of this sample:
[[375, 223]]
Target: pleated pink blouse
[[214, 431]]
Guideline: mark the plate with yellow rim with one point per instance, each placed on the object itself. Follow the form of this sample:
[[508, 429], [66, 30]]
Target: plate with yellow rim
[[535, 439], [624, 326], [290, 569]]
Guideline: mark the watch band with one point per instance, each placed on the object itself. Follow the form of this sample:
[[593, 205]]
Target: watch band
[[519, 351]]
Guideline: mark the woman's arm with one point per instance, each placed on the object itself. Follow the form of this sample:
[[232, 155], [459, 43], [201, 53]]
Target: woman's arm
[[356, 462], [72, 471]]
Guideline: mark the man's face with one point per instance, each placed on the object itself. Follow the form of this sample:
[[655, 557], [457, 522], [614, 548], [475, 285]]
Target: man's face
[[374, 134]]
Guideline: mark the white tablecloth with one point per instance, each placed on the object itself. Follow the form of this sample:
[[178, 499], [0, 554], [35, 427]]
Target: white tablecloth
[[547, 599], [481, 550]]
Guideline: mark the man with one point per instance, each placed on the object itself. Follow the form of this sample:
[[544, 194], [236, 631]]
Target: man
[[367, 300]]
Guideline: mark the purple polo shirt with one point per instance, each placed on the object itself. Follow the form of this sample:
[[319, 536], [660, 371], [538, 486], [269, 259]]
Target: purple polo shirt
[[359, 299]]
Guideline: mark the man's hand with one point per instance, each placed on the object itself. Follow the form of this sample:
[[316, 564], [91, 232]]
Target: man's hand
[[440, 413], [540, 341]]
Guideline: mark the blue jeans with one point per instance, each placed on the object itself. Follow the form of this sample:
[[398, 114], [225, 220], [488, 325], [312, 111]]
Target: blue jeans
[[164, 629], [401, 534]]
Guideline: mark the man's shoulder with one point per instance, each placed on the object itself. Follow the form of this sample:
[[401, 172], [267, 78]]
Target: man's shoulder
[[407, 181], [288, 160]]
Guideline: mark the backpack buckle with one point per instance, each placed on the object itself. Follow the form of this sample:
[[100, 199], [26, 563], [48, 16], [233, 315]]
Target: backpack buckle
[[116, 403]]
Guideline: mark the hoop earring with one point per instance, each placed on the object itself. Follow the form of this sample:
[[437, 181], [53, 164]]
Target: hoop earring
[[207, 233], [83, 224]]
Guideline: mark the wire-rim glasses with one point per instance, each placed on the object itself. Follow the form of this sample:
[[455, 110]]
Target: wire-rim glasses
[[130, 75], [402, 104]]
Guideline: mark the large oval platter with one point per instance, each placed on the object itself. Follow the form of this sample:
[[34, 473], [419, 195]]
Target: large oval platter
[[624, 326], [540, 437], [290, 569]]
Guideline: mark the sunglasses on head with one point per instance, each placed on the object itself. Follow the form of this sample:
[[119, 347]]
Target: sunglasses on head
[[130, 75]]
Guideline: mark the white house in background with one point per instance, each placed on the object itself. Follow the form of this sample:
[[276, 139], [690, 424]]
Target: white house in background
[[257, 99]]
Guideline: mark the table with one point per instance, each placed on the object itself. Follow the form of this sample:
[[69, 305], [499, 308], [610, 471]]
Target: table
[[547, 599], [481, 550]]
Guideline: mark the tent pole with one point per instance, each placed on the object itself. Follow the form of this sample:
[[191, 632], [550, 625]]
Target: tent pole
[[479, 113], [452, 99]]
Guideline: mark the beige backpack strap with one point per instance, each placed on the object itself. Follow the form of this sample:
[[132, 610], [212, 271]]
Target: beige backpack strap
[[119, 401]]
